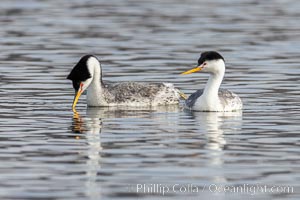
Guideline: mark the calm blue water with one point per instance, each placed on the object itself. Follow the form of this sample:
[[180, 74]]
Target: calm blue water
[[167, 153]]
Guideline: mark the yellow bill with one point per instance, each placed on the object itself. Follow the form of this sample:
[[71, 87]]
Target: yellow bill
[[192, 70], [76, 98], [183, 95]]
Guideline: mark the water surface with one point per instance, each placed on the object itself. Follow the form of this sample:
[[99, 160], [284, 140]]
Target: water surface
[[47, 153]]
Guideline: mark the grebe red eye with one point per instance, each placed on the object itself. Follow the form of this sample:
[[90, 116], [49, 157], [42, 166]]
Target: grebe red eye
[[204, 63], [81, 87]]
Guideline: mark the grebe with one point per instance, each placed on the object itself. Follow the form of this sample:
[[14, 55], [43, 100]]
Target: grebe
[[87, 75]]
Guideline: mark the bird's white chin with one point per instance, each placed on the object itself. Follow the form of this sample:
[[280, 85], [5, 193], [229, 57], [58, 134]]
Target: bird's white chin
[[86, 84]]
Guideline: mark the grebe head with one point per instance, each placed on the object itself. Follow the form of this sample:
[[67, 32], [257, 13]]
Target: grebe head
[[82, 75], [211, 62]]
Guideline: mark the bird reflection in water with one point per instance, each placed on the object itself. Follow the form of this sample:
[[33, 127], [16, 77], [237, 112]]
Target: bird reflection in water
[[78, 124], [89, 128], [213, 125]]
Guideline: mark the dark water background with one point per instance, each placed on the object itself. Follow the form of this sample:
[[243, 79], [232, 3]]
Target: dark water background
[[45, 153]]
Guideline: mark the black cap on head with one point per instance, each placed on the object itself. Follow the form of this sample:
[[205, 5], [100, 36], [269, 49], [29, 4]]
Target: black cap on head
[[209, 55], [80, 71]]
